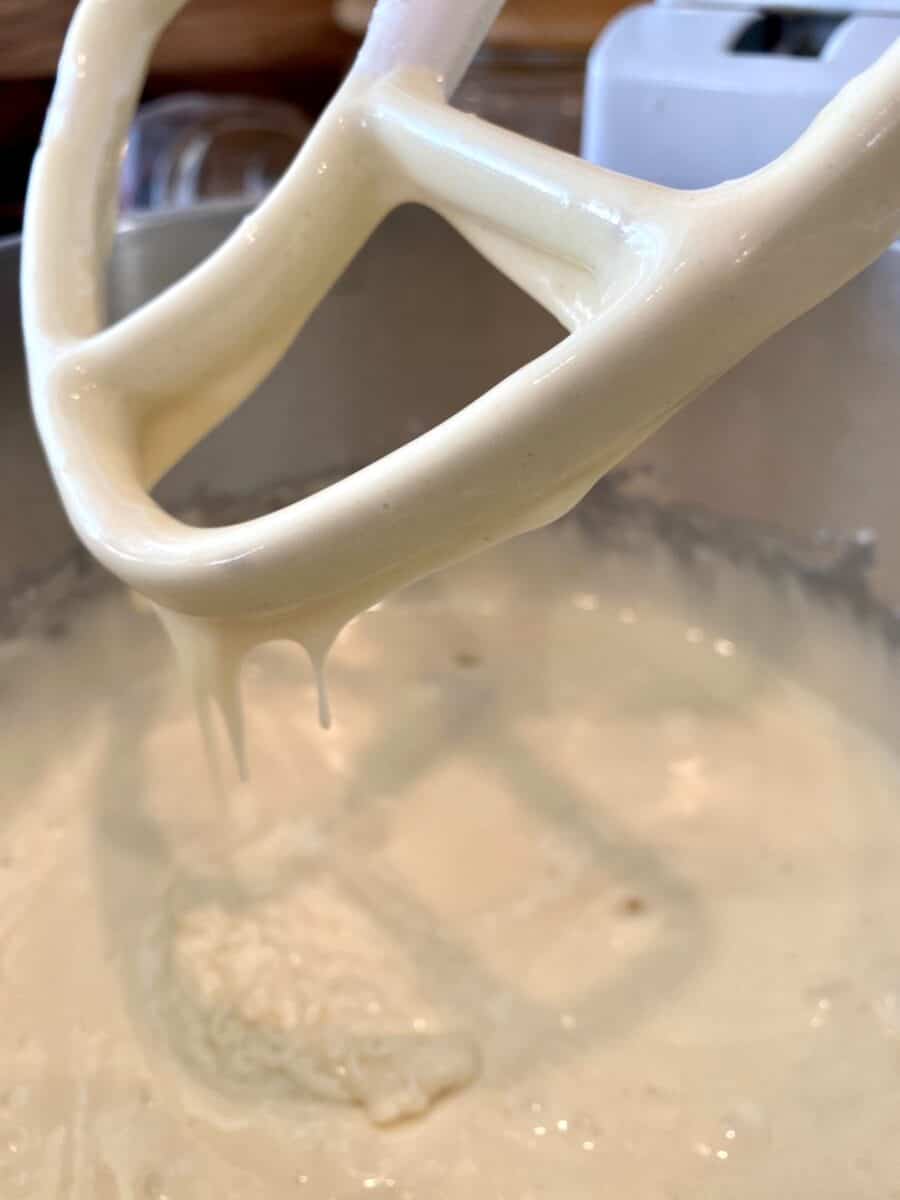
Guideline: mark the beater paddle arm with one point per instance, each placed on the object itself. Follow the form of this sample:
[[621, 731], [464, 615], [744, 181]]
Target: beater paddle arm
[[662, 291]]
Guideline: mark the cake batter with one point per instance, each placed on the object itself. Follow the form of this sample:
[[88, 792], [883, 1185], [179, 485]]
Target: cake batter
[[591, 890]]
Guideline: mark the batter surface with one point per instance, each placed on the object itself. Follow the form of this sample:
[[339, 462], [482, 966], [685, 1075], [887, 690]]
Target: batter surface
[[591, 874]]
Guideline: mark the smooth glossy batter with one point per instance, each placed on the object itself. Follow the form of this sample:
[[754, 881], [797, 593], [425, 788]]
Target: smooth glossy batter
[[581, 856]]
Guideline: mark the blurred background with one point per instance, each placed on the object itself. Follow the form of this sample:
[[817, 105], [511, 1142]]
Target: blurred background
[[236, 83]]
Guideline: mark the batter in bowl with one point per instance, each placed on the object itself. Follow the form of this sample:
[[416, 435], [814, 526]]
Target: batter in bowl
[[591, 890]]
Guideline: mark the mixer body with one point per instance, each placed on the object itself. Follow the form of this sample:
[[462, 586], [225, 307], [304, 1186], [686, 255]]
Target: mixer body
[[689, 95]]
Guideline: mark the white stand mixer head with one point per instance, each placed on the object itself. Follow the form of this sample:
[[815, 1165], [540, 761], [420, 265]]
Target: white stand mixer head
[[661, 291]]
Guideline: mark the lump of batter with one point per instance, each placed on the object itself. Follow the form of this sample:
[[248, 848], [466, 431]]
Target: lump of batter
[[304, 995]]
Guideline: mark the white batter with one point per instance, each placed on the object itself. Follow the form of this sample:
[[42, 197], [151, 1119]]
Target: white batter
[[576, 858]]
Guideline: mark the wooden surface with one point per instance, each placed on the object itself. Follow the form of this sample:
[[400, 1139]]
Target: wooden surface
[[553, 24], [209, 35], [259, 35]]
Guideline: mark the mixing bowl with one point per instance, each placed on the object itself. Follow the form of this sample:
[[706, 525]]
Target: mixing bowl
[[784, 471]]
